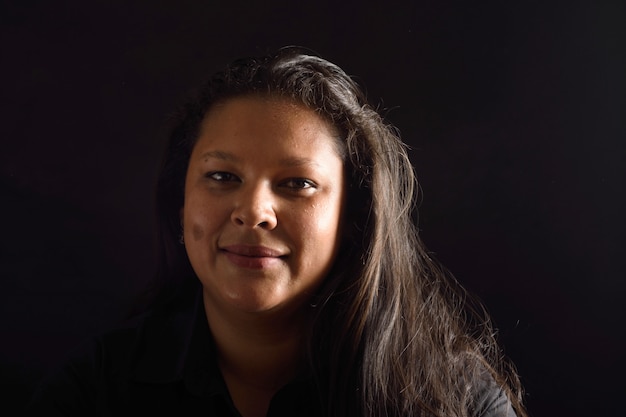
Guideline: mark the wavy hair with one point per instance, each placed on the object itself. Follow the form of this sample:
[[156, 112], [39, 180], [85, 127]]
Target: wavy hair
[[392, 333]]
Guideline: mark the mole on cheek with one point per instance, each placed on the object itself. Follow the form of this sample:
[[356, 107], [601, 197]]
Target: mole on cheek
[[197, 232]]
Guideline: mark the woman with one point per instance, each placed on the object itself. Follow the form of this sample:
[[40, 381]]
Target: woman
[[291, 279]]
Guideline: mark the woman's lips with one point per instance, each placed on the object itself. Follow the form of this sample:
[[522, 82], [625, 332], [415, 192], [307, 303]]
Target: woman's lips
[[252, 257]]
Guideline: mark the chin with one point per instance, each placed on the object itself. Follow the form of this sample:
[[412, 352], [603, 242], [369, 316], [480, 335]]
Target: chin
[[264, 305]]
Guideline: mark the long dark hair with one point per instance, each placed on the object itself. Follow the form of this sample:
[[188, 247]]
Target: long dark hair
[[393, 334]]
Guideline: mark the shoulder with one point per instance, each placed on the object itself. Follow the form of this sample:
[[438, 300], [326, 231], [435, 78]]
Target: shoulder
[[73, 386], [490, 399], [103, 371]]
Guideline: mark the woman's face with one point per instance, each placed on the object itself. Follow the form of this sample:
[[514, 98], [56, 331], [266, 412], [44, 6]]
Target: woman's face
[[263, 204]]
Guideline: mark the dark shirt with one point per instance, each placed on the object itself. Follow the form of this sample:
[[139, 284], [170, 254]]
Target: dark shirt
[[164, 364]]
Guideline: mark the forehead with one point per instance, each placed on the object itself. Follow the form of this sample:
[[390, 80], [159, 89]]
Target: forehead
[[275, 120]]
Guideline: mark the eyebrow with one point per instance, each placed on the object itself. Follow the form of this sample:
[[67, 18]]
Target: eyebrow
[[224, 156], [229, 157]]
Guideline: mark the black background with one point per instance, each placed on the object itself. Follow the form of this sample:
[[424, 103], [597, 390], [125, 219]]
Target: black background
[[515, 112]]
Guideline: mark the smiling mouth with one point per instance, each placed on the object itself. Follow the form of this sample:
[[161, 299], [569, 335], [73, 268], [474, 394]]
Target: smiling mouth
[[252, 257]]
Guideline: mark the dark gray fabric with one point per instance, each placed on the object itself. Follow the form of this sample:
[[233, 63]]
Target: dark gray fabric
[[491, 400]]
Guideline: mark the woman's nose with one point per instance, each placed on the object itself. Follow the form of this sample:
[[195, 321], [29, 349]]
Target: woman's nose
[[255, 208]]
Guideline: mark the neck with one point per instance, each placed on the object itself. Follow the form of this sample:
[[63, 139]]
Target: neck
[[257, 353]]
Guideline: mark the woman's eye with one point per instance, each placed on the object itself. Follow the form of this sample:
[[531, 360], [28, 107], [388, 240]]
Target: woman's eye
[[221, 176], [299, 183]]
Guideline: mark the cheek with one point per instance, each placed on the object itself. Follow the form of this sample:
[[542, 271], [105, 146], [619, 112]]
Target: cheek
[[196, 220], [197, 231], [324, 225]]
